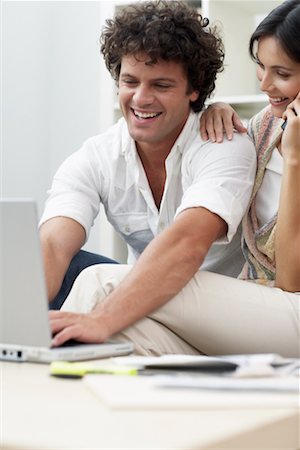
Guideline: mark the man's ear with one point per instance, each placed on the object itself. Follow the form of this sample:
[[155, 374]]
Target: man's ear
[[194, 96]]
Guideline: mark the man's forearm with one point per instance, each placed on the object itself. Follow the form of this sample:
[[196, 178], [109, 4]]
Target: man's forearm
[[61, 238], [165, 267], [55, 268]]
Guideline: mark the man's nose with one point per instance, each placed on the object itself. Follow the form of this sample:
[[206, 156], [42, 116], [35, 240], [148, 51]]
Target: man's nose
[[143, 96]]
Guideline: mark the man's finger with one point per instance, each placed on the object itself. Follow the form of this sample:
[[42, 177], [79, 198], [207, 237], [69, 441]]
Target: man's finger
[[70, 332]]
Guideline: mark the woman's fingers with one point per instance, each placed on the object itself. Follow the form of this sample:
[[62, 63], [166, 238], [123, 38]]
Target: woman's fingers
[[217, 119]]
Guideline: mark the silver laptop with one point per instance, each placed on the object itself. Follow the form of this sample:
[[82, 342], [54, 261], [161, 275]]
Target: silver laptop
[[25, 333]]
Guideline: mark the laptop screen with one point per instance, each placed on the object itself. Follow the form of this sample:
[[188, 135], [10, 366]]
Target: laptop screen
[[23, 300]]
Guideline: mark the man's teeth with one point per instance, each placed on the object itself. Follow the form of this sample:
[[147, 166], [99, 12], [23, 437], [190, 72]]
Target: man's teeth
[[145, 115]]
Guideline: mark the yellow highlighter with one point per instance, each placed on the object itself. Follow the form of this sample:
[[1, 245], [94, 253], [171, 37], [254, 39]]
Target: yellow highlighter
[[78, 370]]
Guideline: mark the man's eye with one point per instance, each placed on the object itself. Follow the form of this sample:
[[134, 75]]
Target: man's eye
[[129, 82], [162, 86]]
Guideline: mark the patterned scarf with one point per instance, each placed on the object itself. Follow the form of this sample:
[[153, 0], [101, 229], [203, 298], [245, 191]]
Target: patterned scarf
[[258, 243]]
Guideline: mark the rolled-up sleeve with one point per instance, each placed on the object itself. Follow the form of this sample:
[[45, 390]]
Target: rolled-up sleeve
[[219, 177], [76, 189]]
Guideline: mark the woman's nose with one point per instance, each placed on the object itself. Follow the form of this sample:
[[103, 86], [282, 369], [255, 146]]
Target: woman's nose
[[265, 80]]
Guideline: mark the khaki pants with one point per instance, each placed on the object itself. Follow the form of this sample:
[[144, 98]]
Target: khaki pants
[[212, 315]]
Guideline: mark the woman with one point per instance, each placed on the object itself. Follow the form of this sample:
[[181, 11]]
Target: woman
[[236, 316], [272, 226]]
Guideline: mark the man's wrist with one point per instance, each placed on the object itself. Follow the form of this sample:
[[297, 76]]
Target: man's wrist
[[102, 322]]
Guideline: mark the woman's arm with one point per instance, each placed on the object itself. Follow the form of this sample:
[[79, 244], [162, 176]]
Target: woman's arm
[[217, 119], [287, 240]]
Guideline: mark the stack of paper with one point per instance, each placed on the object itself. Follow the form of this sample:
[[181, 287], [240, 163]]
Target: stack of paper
[[200, 382], [241, 365]]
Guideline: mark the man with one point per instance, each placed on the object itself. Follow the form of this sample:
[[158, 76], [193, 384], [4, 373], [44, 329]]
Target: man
[[169, 194]]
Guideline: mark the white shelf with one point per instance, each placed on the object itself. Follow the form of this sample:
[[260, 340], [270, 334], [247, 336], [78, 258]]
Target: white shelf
[[240, 99], [236, 21]]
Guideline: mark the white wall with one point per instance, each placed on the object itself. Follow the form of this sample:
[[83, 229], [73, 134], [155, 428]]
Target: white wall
[[52, 87]]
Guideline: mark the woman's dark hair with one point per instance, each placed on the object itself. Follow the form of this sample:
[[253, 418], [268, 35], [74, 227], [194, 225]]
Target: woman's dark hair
[[167, 30], [283, 23]]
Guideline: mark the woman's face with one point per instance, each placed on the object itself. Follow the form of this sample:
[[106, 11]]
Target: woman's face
[[278, 74]]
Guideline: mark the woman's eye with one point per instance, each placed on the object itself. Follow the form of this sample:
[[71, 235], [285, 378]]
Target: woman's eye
[[283, 75]]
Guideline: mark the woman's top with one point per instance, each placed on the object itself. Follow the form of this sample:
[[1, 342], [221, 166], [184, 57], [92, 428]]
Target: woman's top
[[267, 198], [258, 242]]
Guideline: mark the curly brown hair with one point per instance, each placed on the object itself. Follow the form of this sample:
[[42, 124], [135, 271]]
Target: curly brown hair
[[170, 31]]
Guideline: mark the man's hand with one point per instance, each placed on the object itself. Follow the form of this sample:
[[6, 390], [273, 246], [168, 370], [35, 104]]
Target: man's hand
[[217, 119], [82, 327]]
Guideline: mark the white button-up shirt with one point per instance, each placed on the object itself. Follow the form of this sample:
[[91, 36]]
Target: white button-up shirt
[[107, 170]]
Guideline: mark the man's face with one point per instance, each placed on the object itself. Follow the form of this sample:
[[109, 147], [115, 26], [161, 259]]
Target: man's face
[[154, 100]]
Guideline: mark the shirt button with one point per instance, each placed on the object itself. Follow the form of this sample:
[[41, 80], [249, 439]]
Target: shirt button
[[127, 228]]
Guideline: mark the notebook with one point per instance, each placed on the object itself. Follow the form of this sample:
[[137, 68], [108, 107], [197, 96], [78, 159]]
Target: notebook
[[25, 333]]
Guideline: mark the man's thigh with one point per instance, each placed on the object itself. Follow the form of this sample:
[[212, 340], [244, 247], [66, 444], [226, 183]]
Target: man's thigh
[[221, 315]]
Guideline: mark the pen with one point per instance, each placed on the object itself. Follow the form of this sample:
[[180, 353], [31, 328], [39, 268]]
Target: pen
[[78, 370]]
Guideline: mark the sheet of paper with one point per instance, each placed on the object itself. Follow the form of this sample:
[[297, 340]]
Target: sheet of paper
[[140, 392], [224, 383]]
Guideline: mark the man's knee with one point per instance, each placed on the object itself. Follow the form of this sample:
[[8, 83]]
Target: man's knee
[[92, 285]]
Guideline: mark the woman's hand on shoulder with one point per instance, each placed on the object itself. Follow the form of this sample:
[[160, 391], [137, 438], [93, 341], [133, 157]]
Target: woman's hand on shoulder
[[217, 119]]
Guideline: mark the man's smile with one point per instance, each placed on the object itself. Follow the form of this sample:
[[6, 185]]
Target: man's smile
[[145, 115]]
